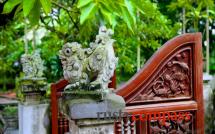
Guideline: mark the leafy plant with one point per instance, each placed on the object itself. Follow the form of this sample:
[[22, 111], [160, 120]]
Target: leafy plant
[[29, 8], [10, 111]]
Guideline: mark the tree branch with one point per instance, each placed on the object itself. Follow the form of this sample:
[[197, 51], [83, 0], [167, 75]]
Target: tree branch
[[62, 6], [75, 23], [52, 29]]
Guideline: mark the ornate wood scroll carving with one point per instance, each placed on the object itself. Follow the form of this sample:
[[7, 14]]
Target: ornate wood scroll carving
[[170, 81], [173, 79], [170, 74], [172, 126]]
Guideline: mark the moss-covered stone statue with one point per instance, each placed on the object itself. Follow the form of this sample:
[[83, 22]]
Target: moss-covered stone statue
[[88, 71], [89, 68], [33, 83], [33, 65]]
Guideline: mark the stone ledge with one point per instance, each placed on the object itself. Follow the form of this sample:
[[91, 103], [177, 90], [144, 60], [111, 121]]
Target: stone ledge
[[89, 109]]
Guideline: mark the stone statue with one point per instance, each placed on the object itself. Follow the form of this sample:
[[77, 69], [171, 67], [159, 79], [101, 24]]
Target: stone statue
[[90, 67], [32, 65]]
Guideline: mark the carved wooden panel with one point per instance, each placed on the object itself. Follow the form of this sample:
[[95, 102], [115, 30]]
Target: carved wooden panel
[[173, 79], [173, 125]]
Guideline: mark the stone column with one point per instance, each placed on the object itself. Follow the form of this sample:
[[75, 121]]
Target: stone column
[[89, 115], [34, 110]]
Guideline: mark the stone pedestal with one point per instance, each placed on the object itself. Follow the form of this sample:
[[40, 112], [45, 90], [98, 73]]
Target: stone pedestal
[[90, 116], [34, 119], [34, 110], [92, 126], [33, 89]]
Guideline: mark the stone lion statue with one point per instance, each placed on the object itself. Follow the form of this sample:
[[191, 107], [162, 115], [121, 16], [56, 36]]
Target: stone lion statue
[[89, 68], [32, 65]]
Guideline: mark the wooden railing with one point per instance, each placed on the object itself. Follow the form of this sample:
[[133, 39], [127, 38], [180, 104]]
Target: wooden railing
[[59, 123], [171, 81]]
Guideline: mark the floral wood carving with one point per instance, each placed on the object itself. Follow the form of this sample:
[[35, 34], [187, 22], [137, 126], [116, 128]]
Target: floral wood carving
[[179, 126], [173, 80]]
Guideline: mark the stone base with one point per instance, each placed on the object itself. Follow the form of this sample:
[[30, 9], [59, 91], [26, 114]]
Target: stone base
[[90, 115], [83, 94], [33, 89], [34, 119], [92, 126], [91, 109]]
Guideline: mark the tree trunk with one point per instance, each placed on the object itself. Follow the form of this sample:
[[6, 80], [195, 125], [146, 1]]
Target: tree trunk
[[25, 38], [138, 57], [183, 21], [207, 39], [34, 39]]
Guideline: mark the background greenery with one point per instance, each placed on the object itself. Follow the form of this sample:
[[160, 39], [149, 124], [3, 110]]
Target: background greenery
[[140, 28], [137, 24]]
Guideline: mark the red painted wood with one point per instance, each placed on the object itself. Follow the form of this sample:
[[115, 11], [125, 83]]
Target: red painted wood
[[55, 89], [54, 110], [60, 124], [66, 125], [125, 125], [132, 125], [112, 84], [118, 127], [188, 45]]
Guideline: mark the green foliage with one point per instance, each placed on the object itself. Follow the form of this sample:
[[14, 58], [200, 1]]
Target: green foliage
[[10, 5], [195, 19], [11, 47], [152, 30], [10, 111], [135, 23], [109, 12], [195, 10], [29, 8], [46, 4]]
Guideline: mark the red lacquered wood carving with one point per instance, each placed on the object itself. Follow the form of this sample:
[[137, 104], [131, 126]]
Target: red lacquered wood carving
[[118, 127], [170, 81], [174, 125]]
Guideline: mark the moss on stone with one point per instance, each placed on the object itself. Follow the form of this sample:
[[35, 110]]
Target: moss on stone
[[83, 94]]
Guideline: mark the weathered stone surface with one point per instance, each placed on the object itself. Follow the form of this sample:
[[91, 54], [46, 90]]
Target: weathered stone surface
[[33, 89], [88, 108], [92, 126], [34, 119], [89, 68], [32, 65], [83, 94]]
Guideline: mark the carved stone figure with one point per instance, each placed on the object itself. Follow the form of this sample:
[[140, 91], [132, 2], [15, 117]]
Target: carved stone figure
[[89, 67], [32, 65]]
